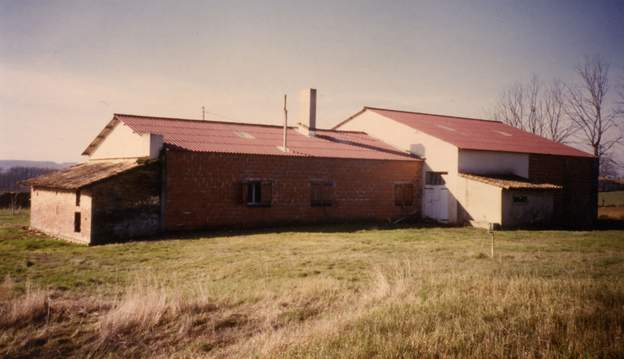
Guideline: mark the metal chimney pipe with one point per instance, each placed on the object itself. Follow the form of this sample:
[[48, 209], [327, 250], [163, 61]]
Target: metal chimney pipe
[[285, 141]]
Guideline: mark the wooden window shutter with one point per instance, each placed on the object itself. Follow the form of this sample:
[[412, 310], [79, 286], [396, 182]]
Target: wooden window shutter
[[408, 194]]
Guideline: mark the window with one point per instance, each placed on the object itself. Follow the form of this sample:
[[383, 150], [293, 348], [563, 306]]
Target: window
[[434, 178], [257, 193], [321, 193], [78, 198], [520, 199], [404, 194], [77, 222]]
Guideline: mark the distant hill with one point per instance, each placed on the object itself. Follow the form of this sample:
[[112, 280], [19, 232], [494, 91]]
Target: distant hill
[[6, 164], [14, 171]]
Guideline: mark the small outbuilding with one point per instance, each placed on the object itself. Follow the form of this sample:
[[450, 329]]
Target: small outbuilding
[[98, 202]]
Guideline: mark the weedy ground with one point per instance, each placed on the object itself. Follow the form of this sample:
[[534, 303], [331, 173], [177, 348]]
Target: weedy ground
[[337, 291]]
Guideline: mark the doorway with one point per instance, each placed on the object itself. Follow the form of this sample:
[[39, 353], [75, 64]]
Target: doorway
[[435, 201]]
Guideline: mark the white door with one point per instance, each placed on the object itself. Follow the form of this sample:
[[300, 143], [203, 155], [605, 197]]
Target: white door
[[435, 201]]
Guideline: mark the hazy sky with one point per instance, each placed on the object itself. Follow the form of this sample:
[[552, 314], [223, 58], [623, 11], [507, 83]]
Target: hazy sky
[[67, 66]]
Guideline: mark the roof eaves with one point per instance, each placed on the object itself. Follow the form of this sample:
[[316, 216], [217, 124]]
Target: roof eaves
[[101, 136], [350, 118], [429, 114], [509, 183]]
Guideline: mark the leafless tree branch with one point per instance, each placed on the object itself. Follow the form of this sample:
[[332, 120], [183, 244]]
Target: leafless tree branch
[[536, 108]]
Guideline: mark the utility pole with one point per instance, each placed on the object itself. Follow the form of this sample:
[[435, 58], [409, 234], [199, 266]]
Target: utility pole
[[203, 113]]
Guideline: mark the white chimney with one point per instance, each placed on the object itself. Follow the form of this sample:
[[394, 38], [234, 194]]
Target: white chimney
[[307, 126]]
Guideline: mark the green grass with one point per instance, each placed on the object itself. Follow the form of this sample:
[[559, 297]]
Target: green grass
[[611, 199], [339, 291]]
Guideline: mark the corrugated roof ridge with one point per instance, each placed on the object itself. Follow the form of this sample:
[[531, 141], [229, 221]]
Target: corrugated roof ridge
[[198, 121], [430, 114], [227, 122]]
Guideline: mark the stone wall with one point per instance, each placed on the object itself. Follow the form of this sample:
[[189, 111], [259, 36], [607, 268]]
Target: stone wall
[[54, 212], [127, 205]]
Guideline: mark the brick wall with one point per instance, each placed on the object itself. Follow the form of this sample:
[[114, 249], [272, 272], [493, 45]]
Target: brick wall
[[52, 212], [127, 205], [204, 190], [576, 204]]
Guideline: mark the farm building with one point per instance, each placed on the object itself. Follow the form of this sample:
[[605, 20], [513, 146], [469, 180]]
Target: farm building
[[481, 172], [149, 174]]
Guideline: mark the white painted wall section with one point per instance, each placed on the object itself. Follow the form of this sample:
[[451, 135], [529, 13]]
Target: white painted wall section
[[489, 162], [482, 202], [122, 142]]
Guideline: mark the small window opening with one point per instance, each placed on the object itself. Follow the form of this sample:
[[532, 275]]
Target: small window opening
[[434, 178], [321, 193], [78, 198], [520, 199], [403, 194], [77, 222], [258, 193]]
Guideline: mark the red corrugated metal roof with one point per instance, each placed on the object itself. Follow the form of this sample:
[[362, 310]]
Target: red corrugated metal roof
[[476, 134], [230, 137]]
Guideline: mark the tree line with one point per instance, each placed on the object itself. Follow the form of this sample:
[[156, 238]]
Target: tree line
[[588, 110], [9, 179]]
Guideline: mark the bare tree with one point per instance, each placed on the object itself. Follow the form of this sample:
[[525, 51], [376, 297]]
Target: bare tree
[[588, 110], [518, 106], [553, 112], [609, 167], [536, 108]]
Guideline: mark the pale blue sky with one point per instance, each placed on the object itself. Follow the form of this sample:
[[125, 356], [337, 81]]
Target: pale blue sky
[[67, 66]]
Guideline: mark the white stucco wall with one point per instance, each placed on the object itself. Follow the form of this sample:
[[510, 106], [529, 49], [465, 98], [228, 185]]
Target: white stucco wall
[[439, 156], [489, 162], [122, 142], [482, 202]]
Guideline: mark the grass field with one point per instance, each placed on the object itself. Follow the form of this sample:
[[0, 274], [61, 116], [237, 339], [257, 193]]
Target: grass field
[[342, 291], [611, 205], [611, 199]]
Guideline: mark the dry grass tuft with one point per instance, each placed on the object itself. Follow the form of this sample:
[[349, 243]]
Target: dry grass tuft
[[6, 288], [32, 307], [149, 305]]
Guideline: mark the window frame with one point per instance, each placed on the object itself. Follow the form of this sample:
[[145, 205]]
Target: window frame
[[326, 194], [255, 188], [77, 222], [429, 175], [520, 199]]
